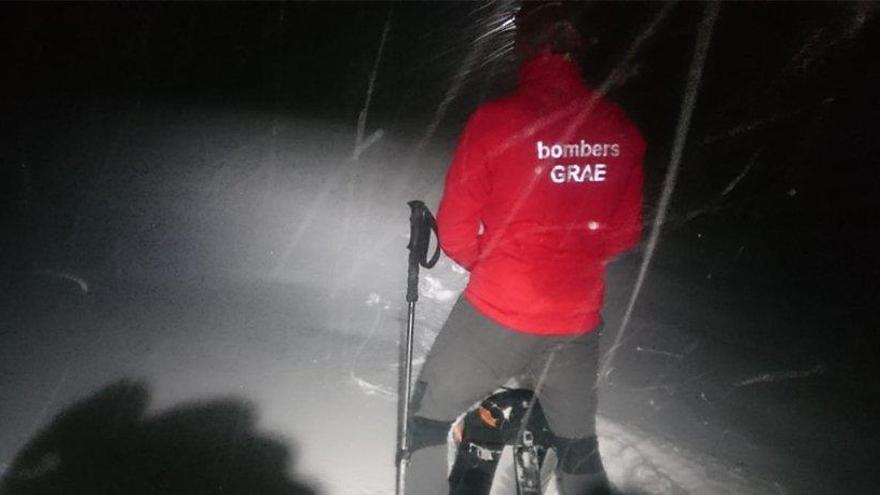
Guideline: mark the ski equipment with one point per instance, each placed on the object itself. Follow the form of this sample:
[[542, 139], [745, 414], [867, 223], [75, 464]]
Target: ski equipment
[[509, 417]]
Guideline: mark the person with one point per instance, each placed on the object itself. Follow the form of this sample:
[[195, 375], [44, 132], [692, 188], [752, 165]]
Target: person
[[545, 187]]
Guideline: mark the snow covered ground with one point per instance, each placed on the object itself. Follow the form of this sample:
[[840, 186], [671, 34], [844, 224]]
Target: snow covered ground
[[328, 395], [259, 278]]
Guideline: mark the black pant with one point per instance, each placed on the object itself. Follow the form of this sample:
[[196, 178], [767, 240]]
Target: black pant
[[472, 357]]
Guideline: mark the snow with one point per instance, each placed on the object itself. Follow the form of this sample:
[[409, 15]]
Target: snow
[[334, 402]]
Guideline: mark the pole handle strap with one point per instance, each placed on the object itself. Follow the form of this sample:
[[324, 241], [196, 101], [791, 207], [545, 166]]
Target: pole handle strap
[[421, 224]]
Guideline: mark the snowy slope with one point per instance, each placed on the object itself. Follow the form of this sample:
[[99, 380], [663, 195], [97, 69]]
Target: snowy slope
[[329, 395]]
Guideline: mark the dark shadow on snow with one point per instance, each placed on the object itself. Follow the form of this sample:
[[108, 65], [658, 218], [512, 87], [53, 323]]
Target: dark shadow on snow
[[106, 444]]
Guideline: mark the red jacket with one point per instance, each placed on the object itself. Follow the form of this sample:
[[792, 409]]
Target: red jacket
[[545, 187]]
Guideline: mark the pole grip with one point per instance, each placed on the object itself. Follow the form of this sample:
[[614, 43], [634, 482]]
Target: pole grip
[[421, 224]]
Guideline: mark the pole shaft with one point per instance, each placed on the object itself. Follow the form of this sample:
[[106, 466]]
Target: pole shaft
[[407, 386], [403, 447]]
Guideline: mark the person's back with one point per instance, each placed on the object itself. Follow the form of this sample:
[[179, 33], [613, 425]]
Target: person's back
[[553, 173]]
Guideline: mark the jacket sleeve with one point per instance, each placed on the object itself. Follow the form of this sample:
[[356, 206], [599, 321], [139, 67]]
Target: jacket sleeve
[[464, 196], [625, 224]]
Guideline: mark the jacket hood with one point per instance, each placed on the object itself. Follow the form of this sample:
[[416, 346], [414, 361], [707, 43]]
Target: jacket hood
[[552, 72]]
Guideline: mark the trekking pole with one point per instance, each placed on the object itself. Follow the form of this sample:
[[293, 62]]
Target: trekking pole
[[421, 224]]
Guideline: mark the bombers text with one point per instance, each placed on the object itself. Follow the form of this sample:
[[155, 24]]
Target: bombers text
[[577, 150]]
